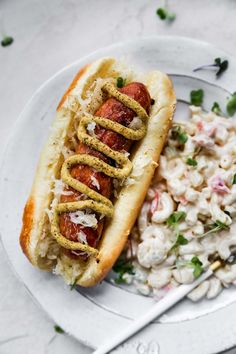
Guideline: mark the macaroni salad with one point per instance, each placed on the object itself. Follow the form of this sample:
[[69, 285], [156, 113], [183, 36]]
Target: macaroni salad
[[188, 217]]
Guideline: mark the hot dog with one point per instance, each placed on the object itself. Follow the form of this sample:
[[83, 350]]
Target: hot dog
[[114, 110], [79, 232]]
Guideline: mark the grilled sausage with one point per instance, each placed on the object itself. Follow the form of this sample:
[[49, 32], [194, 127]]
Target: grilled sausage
[[116, 111]]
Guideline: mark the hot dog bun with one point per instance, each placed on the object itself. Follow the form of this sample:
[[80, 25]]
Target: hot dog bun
[[35, 239]]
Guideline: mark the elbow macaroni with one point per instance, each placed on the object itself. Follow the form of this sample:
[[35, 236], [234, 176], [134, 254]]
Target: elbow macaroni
[[166, 209], [197, 178]]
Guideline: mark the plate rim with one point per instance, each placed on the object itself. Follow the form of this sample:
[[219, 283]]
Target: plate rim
[[20, 118]]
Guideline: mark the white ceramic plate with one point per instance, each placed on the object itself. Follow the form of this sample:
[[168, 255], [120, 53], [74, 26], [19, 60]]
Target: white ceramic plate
[[93, 315]]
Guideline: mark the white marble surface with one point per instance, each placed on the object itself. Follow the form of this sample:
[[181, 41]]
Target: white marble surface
[[48, 35]]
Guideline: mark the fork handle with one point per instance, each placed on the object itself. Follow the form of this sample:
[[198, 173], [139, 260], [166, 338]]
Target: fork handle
[[158, 309]]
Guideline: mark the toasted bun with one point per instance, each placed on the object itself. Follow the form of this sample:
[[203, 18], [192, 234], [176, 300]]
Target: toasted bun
[[35, 239]]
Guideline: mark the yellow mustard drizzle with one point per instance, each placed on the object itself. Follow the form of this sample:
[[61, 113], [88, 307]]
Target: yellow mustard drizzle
[[97, 202]]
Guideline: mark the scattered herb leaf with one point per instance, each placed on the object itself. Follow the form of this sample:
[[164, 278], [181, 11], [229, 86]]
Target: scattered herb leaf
[[195, 263], [217, 226], [73, 285], [234, 179], [120, 279], [58, 329], [221, 225], [7, 40], [196, 260], [191, 162], [177, 133], [173, 221], [175, 218], [120, 82], [164, 14], [196, 97], [181, 240], [231, 105], [216, 108], [121, 267], [197, 267], [219, 64]]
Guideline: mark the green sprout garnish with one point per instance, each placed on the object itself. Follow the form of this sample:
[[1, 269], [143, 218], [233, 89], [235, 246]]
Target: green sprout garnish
[[196, 97], [175, 218], [197, 267], [164, 14], [231, 105], [181, 241], [58, 329], [219, 64], [177, 133], [217, 226], [6, 41], [121, 267], [173, 221], [191, 162], [73, 285], [120, 82], [216, 109]]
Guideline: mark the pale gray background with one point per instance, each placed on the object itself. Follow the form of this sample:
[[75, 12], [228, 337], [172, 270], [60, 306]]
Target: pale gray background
[[50, 34]]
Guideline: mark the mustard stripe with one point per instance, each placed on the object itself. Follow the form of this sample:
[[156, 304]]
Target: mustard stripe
[[126, 100]]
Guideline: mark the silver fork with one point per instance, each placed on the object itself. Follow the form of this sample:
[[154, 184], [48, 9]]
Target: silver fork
[[163, 305]]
